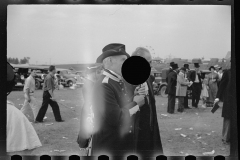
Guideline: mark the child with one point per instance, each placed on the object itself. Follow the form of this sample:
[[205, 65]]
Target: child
[[204, 93]]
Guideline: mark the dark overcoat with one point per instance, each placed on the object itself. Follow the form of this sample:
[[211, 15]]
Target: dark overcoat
[[113, 133], [225, 94], [171, 83], [147, 141]]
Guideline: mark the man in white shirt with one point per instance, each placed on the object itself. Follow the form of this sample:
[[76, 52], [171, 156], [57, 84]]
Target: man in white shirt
[[30, 102]]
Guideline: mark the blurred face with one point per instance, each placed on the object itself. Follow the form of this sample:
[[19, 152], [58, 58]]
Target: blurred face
[[33, 73], [212, 70], [197, 69], [116, 63], [182, 71], [54, 71]]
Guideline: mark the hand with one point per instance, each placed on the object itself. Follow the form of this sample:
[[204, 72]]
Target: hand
[[141, 91], [216, 100], [53, 99], [139, 99], [214, 80]]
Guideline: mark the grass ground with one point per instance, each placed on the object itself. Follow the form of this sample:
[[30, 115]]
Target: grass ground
[[194, 132]]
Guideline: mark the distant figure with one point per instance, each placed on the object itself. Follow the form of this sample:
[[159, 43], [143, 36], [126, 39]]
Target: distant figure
[[204, 92], [212, 84], [49, 98], [171, 88], [181, 90], [195, 77], [29, 88], [186, 76], [20, 133]]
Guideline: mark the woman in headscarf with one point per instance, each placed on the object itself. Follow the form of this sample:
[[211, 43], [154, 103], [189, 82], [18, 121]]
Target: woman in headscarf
[[213, 79], [86, 115], [20, 133]]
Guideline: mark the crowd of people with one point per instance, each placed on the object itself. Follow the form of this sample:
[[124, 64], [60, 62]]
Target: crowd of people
[[182, 81], [118, 118], [210, 88]]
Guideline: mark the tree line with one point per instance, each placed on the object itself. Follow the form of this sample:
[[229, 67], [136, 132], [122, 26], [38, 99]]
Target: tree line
[[25, 60]]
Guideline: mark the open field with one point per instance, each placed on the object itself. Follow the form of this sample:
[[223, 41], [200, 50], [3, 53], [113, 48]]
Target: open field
[[201, 128]]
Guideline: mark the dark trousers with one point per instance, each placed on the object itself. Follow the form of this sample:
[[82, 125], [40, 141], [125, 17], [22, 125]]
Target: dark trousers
[[180, 104], [196, 92], [171, 103], [44, 107], [186, 101]]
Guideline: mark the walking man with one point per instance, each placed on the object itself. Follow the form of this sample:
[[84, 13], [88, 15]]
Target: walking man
[[195, 78], [49, 97], [30, 102], [171, 88]]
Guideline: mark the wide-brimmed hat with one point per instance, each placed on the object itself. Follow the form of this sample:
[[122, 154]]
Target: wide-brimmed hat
[[211, 68], [113, 49], [196, 65], [186, 66], [171, 64]]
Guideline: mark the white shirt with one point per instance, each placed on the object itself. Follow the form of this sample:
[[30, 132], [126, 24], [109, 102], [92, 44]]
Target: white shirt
[[196, 79], [29, 84]]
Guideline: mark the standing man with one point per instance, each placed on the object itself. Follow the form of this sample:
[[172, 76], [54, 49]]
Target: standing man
[[188, 88], [181, 90], [49, 97], [171, 85], [147, 134], [225, 95], [113, 106], [195, 78], [170, 70], [30, 101]]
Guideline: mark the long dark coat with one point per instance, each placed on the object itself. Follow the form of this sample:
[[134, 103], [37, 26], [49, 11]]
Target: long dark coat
[[171, 83], [113, 133], [225, 94], [146, 130]]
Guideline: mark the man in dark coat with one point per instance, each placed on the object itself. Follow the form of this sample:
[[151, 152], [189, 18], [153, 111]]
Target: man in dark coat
[[171, 89], [113, 106], [195, 77], [147, 134], [224, 94], [188, 88], [170, 70]]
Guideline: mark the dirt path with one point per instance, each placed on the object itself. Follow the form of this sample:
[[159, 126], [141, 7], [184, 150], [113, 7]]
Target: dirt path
[[201, 128]]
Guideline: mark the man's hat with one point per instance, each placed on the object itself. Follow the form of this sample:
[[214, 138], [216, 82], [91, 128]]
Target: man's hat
[[172, 63], [211, 68], [196, 65], [175, 66], [114, 46], [113, 49], [186, 66]]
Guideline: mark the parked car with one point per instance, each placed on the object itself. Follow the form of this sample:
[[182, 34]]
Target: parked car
[[67, 78]]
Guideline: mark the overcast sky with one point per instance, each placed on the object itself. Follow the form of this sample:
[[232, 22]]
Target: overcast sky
[[77, 33]]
